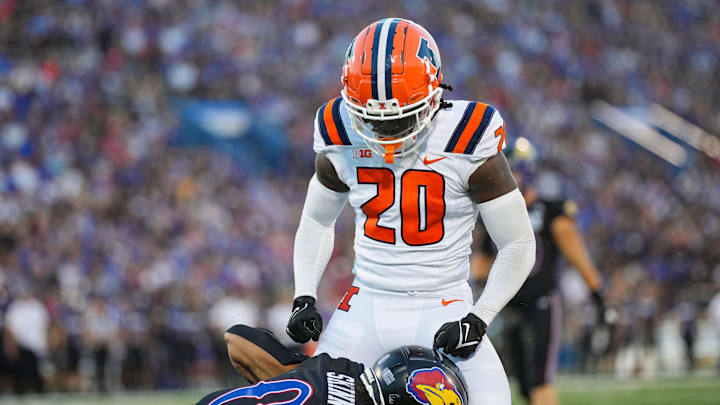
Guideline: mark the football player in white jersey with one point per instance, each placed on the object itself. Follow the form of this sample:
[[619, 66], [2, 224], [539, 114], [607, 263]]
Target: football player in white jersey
[[417, 171]]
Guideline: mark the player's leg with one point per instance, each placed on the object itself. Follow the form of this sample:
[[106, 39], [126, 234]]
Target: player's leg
[[485, 376], [516, 347], [374, 322], [546, 323], [351, 330], [483, 371]]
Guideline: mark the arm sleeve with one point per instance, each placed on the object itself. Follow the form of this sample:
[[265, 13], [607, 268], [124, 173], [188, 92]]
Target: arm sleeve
[[315, 236], [508, 224]]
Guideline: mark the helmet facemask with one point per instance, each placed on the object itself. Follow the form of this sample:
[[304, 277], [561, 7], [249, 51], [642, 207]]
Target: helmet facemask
[[390, 130], [391, 85]]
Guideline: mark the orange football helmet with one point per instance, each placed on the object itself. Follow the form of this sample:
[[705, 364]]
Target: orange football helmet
[[391, 85]]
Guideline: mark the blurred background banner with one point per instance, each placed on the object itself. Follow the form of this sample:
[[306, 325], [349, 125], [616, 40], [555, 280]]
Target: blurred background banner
[[257, 144]]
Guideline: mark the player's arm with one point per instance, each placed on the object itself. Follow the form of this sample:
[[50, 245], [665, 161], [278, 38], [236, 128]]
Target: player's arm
[[252, 361], [504, 213], [327, 175], [506, 219], [570, 242], [326, 196]]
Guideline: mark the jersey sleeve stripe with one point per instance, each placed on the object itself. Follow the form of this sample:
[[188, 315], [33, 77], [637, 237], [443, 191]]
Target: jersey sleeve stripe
[[486, 117], [469, 130], [461, 127], [329, 122], [337, 121], [322, 127]]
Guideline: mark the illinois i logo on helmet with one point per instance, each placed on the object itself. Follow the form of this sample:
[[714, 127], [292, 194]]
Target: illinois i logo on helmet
[[391, 85], [432, 386]]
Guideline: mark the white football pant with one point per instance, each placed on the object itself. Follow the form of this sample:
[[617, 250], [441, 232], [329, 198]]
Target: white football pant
[[378, 321]]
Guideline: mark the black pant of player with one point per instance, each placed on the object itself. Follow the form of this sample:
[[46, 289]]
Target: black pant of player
[[100, 356], [532, 336], [25, 372]]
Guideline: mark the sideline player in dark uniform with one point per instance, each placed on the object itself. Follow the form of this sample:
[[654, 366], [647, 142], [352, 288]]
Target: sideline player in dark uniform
[[407, 375], [535, 311]]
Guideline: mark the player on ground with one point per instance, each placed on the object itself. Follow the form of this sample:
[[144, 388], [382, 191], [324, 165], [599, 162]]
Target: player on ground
[[532, 318], [405, 376], [417, 171]]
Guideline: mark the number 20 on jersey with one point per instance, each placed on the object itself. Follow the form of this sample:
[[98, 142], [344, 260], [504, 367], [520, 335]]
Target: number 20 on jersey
[[422, 205]]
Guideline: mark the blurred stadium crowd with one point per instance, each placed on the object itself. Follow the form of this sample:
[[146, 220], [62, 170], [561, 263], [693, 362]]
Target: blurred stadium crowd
[[122, 257]]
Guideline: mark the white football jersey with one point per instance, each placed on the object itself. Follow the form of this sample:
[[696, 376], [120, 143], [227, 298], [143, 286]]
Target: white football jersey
[[413, 218]]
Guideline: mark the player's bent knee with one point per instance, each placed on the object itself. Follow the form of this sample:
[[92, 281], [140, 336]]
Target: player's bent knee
[[484, 398], [489, 386]]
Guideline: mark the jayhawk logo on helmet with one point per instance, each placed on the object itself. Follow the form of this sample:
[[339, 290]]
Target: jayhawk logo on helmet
[[431, 386], [391, 85]]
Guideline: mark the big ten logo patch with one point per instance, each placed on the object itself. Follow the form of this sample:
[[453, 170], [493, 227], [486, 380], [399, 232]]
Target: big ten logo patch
[[361, 153]]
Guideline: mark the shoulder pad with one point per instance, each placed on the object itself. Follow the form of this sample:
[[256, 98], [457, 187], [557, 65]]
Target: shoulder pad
[[330, 127], [480, 132]]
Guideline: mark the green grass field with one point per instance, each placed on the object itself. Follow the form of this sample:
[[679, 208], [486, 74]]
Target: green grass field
[[573, 391]]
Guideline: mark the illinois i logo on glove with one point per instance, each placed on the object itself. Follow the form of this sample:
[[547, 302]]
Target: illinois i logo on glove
[[460, 338]]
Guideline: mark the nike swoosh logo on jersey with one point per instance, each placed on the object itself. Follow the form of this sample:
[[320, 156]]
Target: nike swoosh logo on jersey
[[446, 303], [427, 161]]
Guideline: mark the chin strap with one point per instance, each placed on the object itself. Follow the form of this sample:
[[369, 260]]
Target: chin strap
[[444, 104], [390, 153]]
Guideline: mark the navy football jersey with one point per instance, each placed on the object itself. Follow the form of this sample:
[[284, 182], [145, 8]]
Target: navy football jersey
[[543, 279], [316, 381]]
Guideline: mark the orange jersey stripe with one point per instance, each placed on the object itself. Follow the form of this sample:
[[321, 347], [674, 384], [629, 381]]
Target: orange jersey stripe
[[330, 122], [470, 128]]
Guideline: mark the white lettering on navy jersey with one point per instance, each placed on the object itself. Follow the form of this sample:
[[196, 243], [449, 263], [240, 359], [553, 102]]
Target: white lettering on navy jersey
[[341, 389]]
